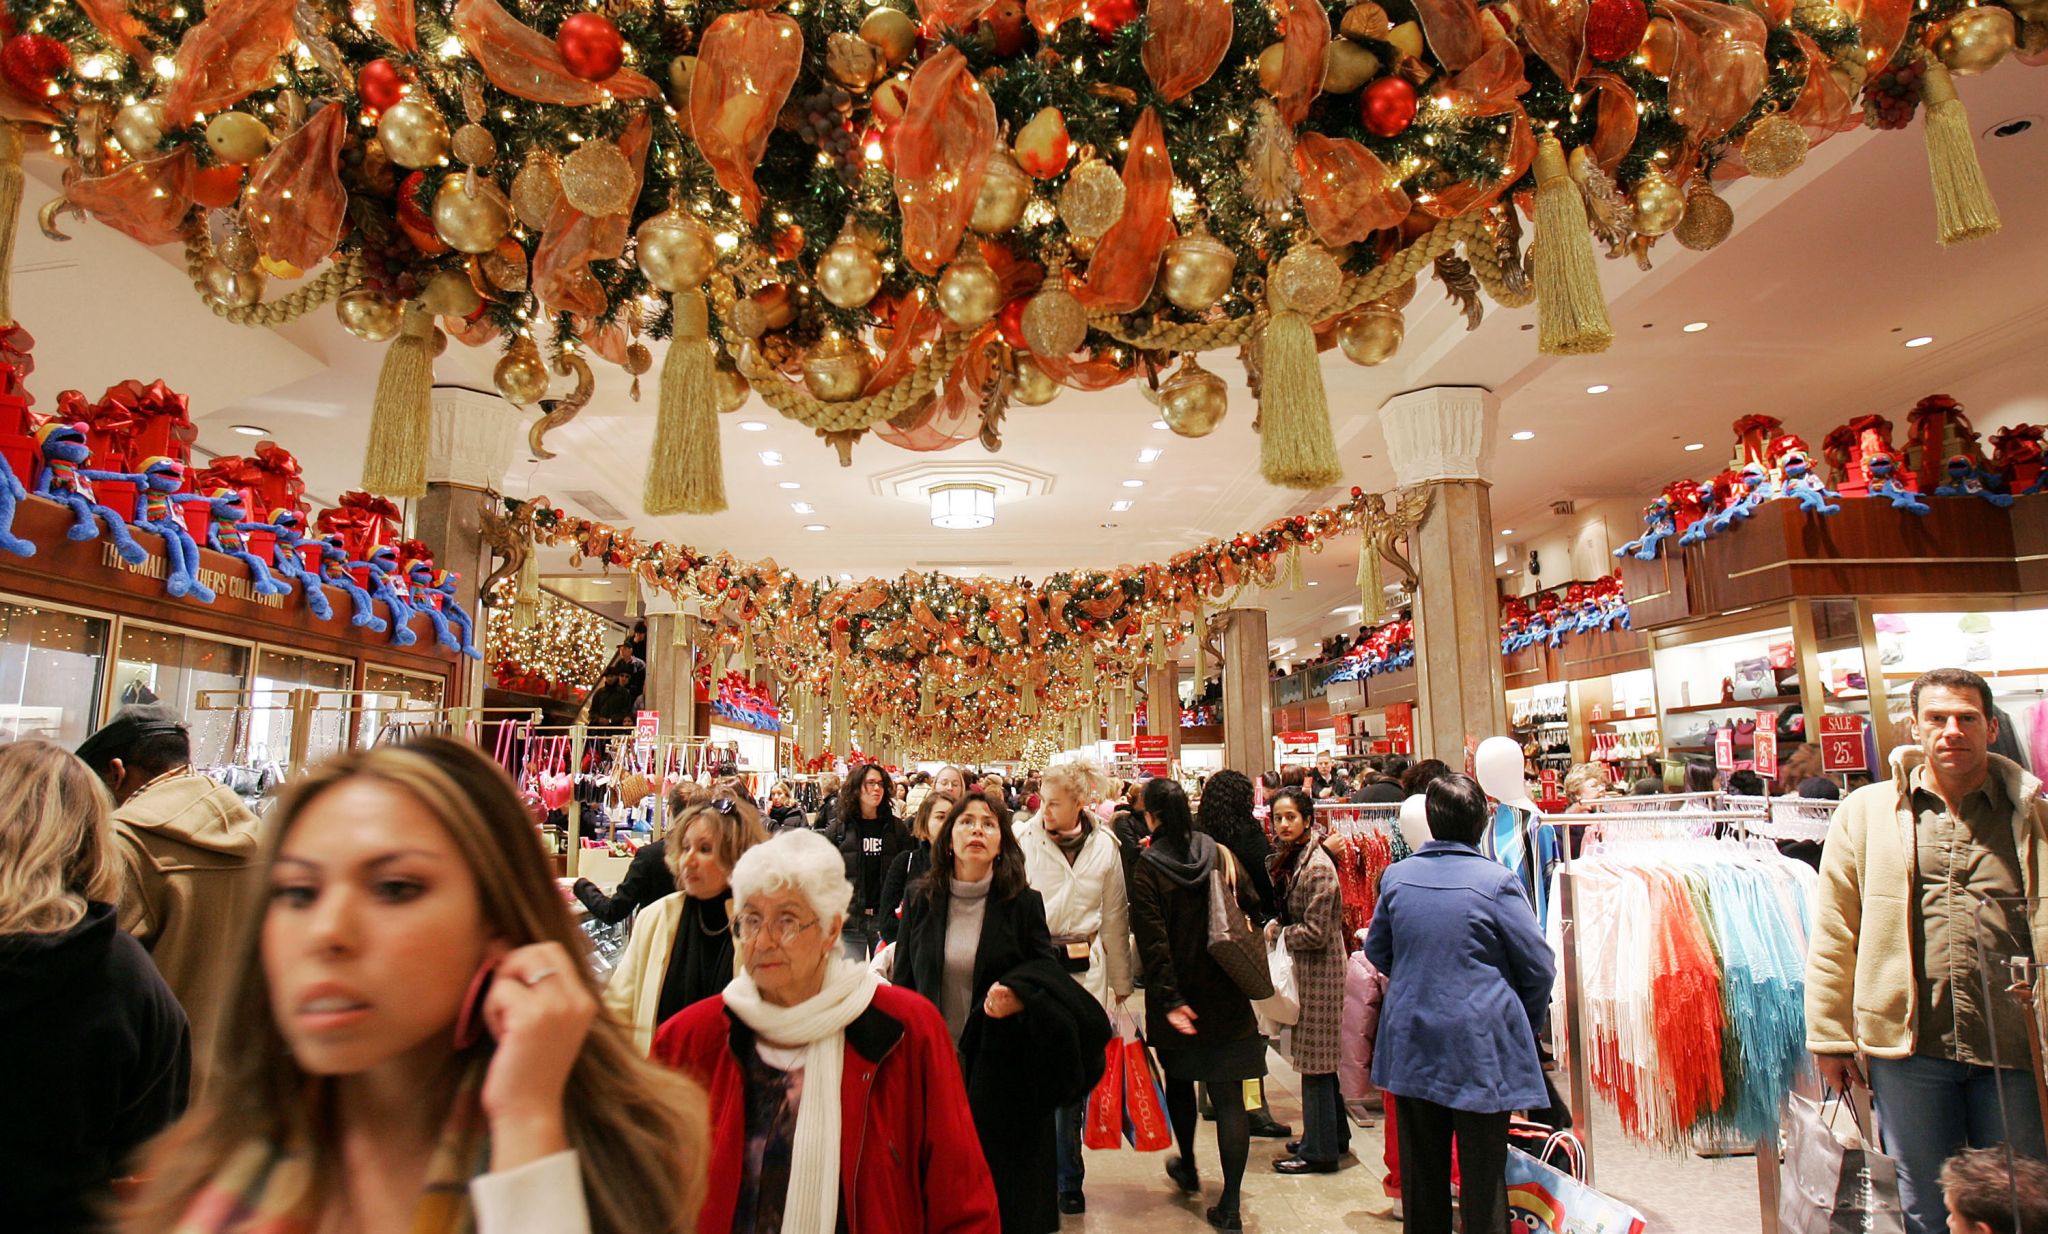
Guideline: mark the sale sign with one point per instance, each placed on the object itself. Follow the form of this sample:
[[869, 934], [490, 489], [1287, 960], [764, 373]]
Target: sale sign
[[1154, 754], [1841, 744], [1724, 750], [1767, 744], [1401, 727]]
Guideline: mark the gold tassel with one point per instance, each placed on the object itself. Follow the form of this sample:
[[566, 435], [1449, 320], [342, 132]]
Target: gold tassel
[[1294, 567], [1027, 699], [839, 692], [395, 463], [10, 214], [1571, 310], [526, 598], [1371, 593], [1963, 209], [681, 637], [686, 474], [1195, 631], [747, 650], [633, 599], [1088, 671], [1296, 447], [1158, 644], [926, 705]]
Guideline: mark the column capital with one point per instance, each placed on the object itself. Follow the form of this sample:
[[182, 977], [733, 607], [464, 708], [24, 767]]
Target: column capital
[[1440, 433], [473, 438]]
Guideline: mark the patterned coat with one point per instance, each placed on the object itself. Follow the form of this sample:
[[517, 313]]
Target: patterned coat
[[1315, 905]]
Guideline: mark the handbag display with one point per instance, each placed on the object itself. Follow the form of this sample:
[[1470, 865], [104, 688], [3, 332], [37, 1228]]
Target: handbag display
[[1234, 942], [1832, 1185], [1543, 1199]]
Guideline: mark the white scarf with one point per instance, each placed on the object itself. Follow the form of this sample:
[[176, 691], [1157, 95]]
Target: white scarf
[[818, 1024]]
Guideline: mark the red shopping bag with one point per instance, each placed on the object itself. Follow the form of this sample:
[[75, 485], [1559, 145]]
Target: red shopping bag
[[1106, 1104], [1145, 1124]]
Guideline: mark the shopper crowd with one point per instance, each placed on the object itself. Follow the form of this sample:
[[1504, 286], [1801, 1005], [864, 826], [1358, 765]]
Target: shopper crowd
[[370, 1009]]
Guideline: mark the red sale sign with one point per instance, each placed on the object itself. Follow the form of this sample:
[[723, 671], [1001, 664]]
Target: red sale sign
[[1724, 750], [1153, 753], [1767, 744], [1401, 727], [1841, 744]]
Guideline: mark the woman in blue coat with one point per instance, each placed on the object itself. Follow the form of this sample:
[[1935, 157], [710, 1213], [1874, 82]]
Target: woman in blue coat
[[1469, 979]]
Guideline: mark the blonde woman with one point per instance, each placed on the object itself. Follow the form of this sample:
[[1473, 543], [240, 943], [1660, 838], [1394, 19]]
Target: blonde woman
[[681, 950], [649, 877], [417, 1044], [1073, 862], [97, 1054]]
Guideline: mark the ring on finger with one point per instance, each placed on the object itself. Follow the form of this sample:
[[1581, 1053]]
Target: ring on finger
[[534, 979]]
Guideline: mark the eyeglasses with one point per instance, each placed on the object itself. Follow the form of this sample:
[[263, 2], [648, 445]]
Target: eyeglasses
[[781, 930], [975, 822]]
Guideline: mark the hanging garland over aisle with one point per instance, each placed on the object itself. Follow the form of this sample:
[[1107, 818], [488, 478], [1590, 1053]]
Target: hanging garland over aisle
[[949, 665], [900, 222]]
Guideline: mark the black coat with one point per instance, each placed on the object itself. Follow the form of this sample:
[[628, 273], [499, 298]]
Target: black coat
[[787, 818], [895, 838], [904, 873], [95, 1057], [1170, 917], [1254, 853], [647, 880], [1021, 1068]]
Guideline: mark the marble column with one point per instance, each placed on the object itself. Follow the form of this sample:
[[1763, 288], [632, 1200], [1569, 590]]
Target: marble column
[[1442, 437], [473, 437], [1247, 698], [1162, 705]]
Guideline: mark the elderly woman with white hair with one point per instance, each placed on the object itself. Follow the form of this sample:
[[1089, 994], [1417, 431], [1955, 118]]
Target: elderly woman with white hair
[[836, 1100], [1074, 862]]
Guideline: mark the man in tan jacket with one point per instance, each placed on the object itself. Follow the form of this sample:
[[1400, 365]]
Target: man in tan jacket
[[189, 851], [1927, 887]]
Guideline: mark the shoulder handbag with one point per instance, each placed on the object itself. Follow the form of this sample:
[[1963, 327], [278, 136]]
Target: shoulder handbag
[[1234, 943]]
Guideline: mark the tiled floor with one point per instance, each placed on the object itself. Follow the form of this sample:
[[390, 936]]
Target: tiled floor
[[1128, 1193]]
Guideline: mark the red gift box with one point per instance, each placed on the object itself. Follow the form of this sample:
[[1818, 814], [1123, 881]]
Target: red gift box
[[362, 521], [2018, 454], [19, 450], [268, 480], [16, 363], [1850, 446], [117, 495], [1937, 430], [197, 514]]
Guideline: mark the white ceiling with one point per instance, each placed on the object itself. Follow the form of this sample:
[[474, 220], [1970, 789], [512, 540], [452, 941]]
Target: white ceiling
[[1827, 273]]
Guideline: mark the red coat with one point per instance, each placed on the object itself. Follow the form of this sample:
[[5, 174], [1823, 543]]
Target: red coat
[[909, 1159]]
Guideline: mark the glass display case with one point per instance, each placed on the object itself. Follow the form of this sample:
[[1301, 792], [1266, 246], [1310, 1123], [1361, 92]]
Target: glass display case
[[52, 664], [387, 693], [279, 674], [1712, 684], [2008, 649], [157, 664]]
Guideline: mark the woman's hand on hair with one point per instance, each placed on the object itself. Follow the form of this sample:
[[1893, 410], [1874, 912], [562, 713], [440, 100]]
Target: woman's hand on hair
[[539, 1011], [1002, 1002]]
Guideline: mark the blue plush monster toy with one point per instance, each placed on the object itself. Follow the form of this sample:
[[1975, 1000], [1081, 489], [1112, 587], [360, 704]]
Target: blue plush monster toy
[[227, 512], [1659, 524], [334, 571], [12, 490], [67, 477], [1885, 482], [288, 562], [1966, 479], [387, 584], [156, 509], [425, 595], [1756, 489], [1805, 485]]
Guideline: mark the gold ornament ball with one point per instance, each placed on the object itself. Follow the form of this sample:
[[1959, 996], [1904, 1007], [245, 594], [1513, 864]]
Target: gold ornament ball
[[1198, 270], [1775, 147], [969, 293], [1307, 280], [1373, 334], [537, 189], [238, 252], [413, 133], [890, 31], [450, 294], [368, 316], [1659, 204], [230, 289], [597, 178], [638, 359], [237, 137], [1054, 322], [474, 145], [730, 388], [1708, 220], [849, 274], [675, 250], [470, 213], [837, 370], [1193, 401], [1975, 40], [521, 375], [139, 128], [1093, 199], [1033, 386], [1005, 191]]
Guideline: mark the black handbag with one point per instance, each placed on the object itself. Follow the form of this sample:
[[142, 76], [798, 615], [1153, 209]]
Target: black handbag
[[1234, 942]]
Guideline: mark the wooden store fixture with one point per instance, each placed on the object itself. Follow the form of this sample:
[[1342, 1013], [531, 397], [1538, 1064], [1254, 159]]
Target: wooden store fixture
[[88, 578]]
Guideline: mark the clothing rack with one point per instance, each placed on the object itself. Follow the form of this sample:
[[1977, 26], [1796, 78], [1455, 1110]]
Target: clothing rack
[[302, 704]]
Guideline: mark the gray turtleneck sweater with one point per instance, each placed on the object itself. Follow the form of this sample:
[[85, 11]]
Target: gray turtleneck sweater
[[966, 906]]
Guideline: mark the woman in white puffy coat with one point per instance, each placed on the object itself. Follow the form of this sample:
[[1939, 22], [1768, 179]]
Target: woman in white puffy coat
[[1073, 862]]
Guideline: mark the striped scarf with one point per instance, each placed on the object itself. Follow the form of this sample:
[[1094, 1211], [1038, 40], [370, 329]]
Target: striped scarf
[[266, 1187]]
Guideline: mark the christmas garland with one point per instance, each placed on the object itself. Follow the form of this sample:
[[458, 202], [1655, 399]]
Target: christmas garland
[[900, 222]]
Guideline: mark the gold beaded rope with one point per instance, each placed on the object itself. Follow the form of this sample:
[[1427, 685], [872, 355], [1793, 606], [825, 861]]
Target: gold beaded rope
[[346, 272]]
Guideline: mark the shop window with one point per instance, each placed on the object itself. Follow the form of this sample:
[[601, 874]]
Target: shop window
[[50, 673], [2008, 650], [279, 675], [173, 668], [379, 683]]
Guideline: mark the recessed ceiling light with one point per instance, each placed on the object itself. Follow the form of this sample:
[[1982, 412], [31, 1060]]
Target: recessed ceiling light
[[815, 527], [1150, 454], [1524, 435], [251, 430], [600, 582], [1690, 446], [789, 484], [1694, 327], [1507, 531], [845, 578], [802, 507], [754, 426], [771, 458], [1160, 425], [1342, 609], [1109, 526], [1134, 484], [1119, 507], [1600, 389], [1314, 583], [1920, 340]]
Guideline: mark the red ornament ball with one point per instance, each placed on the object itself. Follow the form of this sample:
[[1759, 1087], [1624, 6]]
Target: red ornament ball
[[1614, 28], [590, 45], [1387, 106], [1010, 321], [379, 84], [1109, 16], [30, 62]]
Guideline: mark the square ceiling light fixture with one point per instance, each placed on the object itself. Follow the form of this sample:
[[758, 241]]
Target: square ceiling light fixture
[[963, 507]]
